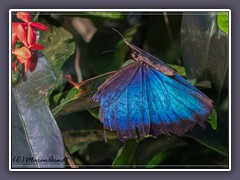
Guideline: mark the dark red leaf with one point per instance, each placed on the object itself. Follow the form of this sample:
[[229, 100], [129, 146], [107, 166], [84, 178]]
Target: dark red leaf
[[33, 63], [37, 46]]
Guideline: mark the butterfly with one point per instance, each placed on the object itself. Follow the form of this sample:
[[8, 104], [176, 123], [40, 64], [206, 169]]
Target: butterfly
[[150, 98]]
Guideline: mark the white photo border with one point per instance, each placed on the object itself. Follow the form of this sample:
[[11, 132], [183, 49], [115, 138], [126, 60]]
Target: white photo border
[[119, 10]]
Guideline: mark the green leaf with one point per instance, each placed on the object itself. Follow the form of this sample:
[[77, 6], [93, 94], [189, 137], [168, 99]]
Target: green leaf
[[222, 20], [59, 47], [156, 160], [94, 112], [57, 98], [212, 119], [35, 132], [72, 94], [125, 155]]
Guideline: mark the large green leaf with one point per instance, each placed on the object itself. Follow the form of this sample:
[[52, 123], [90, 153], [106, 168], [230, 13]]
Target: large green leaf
[[36, 138], [204, 49]]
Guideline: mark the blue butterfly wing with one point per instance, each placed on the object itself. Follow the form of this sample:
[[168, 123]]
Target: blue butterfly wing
[[113, 87], [129, 111], [175, 105], [140, 97], [138, 111], [109, 92]]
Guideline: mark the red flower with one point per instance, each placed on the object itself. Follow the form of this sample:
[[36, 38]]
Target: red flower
[[26, 34], [24, 16]]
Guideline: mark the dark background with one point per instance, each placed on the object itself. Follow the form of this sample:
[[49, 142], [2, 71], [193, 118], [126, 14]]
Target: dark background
[[233, 5]]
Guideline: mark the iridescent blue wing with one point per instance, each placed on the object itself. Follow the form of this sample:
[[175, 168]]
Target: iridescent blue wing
[[113, 87], [113, 98], [140, 97], [175, 105], [124, 103]]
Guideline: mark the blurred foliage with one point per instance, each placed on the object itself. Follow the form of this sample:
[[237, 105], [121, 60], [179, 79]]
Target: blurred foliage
[[60, 47], [176, 43]]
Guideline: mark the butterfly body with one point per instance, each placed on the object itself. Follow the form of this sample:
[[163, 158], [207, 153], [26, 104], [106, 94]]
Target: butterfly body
[[141, 55], [150, 97]]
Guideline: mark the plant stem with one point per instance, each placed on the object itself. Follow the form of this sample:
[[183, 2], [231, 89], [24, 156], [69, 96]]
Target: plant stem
[[69, 159]]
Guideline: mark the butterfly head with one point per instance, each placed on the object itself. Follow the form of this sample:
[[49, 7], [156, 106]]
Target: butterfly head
[[136, 55], [136, 52]]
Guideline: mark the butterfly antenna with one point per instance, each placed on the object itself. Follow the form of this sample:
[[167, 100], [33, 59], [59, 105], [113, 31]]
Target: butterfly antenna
[[125, 40], [119, 34]]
